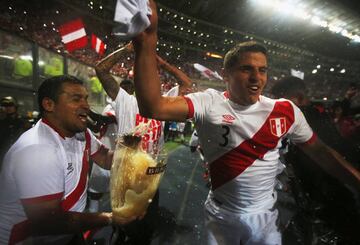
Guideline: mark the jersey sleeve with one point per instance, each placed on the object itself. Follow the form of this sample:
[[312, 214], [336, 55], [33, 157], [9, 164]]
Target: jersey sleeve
[[95, 143], [126, 108], [39, 173], [301, 132], [198, 104], [172, 92]]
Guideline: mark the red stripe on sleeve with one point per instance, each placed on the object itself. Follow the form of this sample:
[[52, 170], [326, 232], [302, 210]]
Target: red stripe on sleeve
[[190, 107]]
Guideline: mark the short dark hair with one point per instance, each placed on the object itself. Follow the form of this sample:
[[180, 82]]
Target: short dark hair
[[234, 54], [128, 86], [51, 88], [289, 86], [126, 82]]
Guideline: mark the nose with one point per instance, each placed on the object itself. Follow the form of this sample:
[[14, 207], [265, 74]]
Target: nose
[[255, 75], [85, 104]]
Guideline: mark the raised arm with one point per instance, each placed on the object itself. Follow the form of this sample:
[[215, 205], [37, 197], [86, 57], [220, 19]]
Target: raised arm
[[184, 81], [147, 82], [333, 163], [103, 71]]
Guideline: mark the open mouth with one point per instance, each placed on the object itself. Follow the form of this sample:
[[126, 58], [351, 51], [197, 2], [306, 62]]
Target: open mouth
[[254, 88], [83, 116]]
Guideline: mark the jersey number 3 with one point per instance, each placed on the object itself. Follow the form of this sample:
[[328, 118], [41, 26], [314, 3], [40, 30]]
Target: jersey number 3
[[224, 135]]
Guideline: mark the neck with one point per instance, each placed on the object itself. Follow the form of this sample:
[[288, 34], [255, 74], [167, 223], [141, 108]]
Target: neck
[[53, 123]]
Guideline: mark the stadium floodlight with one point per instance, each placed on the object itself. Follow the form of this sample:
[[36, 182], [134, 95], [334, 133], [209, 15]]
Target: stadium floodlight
[[335, 28], [318, 21], [285, 8], [302, 14], [345, 33], [266, 3], [356, 38]]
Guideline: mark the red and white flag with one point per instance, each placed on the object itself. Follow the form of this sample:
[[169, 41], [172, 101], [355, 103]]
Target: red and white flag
[[206, 72], [98, 45], [73, 35]]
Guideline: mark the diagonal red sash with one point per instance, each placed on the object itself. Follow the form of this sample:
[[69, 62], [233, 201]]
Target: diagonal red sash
[[236, 161]]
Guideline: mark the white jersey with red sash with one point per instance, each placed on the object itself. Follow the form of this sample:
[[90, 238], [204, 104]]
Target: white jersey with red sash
[[128, 116], [43, 165], [241, 144]]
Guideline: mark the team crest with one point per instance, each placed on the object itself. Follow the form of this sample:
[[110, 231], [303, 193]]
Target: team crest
[[278, 126], [228, 118]]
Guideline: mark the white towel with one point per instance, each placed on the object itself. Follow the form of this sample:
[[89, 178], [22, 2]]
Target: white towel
[[132, 16]]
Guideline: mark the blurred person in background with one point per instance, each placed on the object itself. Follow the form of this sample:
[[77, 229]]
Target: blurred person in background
[[320, 197], [127, 117], [12, 125]]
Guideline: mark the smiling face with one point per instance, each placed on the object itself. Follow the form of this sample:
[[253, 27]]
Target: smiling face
[[68, 114], [247, 78]]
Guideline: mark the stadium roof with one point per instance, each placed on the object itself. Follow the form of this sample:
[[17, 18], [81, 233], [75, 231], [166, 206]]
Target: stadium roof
[[252, 17]]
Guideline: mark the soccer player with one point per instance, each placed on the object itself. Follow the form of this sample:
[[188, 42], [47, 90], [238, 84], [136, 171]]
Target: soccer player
[[240, 134], [44, 177]]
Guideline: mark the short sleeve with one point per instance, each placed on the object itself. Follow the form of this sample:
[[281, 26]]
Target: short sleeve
[[39, 172], [301, 133], [198, 104], [95, 143]]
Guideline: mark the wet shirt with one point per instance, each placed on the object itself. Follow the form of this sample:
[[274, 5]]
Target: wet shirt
[[243, 146], [41, 166]]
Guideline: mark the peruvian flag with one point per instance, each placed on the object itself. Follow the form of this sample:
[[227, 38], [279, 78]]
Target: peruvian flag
[[73, 35], [206, 72], [97, 44]]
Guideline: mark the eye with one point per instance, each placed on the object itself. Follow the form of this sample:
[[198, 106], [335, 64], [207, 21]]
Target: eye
[[263, 70]]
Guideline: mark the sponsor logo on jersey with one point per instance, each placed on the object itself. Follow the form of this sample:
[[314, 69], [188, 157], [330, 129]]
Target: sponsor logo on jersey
[[70, 168], [278, 126], [228, 118]]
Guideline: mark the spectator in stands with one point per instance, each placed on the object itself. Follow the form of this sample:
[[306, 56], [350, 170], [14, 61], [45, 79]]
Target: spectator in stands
[[12, 125]]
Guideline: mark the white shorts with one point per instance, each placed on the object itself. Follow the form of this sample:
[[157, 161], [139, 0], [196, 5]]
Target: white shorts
[[227, 228]]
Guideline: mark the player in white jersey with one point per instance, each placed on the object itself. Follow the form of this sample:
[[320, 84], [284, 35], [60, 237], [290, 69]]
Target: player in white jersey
[[240, 134], [99, 180], [44, 176], [128, 117]]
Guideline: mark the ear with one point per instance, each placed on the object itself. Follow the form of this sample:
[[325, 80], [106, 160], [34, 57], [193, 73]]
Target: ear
[[48, 104]]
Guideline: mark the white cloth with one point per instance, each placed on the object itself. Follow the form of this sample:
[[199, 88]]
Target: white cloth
[[132, 16], [241, 144], [99, 181], [40, 166]]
